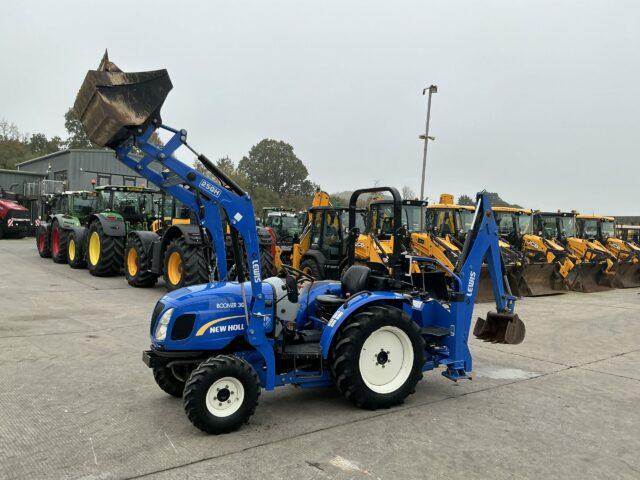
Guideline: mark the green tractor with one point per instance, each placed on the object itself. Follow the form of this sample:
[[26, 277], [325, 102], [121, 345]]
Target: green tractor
[[286, 226], [62, 212], [101, 243]]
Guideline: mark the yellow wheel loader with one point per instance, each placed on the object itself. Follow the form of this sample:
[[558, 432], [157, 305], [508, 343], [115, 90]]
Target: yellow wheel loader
[[623, 269], [546, 267]]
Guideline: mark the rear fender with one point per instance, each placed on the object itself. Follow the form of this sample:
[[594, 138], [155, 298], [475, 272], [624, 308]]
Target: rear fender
[[352, 306]]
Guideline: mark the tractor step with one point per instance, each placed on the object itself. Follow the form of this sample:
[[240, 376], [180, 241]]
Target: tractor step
[[435, 331], [301, 350]]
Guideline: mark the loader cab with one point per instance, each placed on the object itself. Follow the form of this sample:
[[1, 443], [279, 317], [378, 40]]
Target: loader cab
[[554, 225], [380, 217], [629, 233], [512, 223], [444, 219], [593, 227]]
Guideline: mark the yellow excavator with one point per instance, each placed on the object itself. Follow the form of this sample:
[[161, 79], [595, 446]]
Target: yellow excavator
[[547, 267], [625, 261]]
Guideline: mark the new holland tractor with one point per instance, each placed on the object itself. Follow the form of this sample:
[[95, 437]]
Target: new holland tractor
[[64, 212], [626, 256], [547, 265], [219, 344]]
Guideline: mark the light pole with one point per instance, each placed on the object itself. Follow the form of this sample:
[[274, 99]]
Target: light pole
[[432, 89]]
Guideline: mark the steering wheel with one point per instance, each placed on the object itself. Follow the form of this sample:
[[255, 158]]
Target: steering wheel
[[298, 274]]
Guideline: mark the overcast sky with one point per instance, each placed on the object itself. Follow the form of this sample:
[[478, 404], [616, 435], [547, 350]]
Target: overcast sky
[[538, 100]]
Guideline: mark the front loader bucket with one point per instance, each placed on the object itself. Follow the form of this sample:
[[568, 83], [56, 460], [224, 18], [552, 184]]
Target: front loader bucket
[[500, 328], [627, 275], [540, 279], [112, 104], [485, 287], [590, 278]]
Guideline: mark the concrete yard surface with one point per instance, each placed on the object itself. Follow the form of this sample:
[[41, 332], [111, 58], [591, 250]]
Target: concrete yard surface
[[76, 401]]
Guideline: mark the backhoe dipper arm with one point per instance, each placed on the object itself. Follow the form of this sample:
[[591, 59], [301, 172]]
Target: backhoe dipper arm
[[481, 245]]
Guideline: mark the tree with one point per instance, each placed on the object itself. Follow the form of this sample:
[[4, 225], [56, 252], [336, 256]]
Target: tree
[[40, 145], [465, 200], [273, 165], [407, 193], [77, 136]]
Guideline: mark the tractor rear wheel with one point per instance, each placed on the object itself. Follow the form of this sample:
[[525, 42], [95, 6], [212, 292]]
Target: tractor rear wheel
[[377, 357], [137, 264], [184, 265], [75, 253], [168, 381], [221, 394], [42, 242], [59, 241], [104, 252], [311, 267]]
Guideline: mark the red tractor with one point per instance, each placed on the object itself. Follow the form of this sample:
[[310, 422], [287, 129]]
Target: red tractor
[[15, 220]]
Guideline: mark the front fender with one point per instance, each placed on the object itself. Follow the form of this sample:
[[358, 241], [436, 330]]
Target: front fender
[[113, 227], [354, 304], [66, 222], [190, 233]]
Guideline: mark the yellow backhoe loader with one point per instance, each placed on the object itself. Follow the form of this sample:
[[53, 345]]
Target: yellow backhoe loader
[[547, 267], [626, 256]]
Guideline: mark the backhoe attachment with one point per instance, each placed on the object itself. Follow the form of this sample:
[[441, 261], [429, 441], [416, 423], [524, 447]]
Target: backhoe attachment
[[500, 328]]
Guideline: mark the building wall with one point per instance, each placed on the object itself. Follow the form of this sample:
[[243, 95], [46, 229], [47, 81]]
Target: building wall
[[9, 179], [80, 167]]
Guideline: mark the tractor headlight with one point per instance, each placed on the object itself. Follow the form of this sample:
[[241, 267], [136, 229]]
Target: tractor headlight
[[163, 323]]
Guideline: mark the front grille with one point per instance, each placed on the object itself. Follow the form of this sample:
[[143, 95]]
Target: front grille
[[19, 214], [154, 316], [182, 326]]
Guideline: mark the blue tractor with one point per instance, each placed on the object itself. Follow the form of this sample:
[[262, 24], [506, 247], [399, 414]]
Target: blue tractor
[[372, 334]]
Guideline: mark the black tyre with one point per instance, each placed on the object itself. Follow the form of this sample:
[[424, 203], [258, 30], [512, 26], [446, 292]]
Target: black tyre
[[137, 264], [1, 230], [267, 260], [311, 267], [104, 253], [20, 234], [59, 242], [221, 394], [75, 251], [184, 265], [42, 242], [168, 381], [377, 357]]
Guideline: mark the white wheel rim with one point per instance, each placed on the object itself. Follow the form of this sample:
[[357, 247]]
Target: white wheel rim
[[225, 397], [386, 359]]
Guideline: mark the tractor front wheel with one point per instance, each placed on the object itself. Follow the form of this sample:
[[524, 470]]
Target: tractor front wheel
[[75, 254], [59, 240], [377, 359], [104, 252], [221, 394], [42, 242], [137, 265], [168, 381], [184, 265]]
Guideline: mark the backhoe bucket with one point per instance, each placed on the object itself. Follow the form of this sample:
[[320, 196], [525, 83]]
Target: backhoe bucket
[[500, 328], [627, 275], [590, 278], [113, 105], [540, 279]]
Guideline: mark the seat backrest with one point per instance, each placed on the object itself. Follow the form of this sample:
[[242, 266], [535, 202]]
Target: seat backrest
[[355, 279]]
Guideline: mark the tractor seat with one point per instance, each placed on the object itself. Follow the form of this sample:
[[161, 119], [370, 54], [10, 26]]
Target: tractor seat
[[354, 280]]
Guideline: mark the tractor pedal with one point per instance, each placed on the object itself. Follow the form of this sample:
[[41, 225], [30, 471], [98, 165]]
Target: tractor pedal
[[435, 331]]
